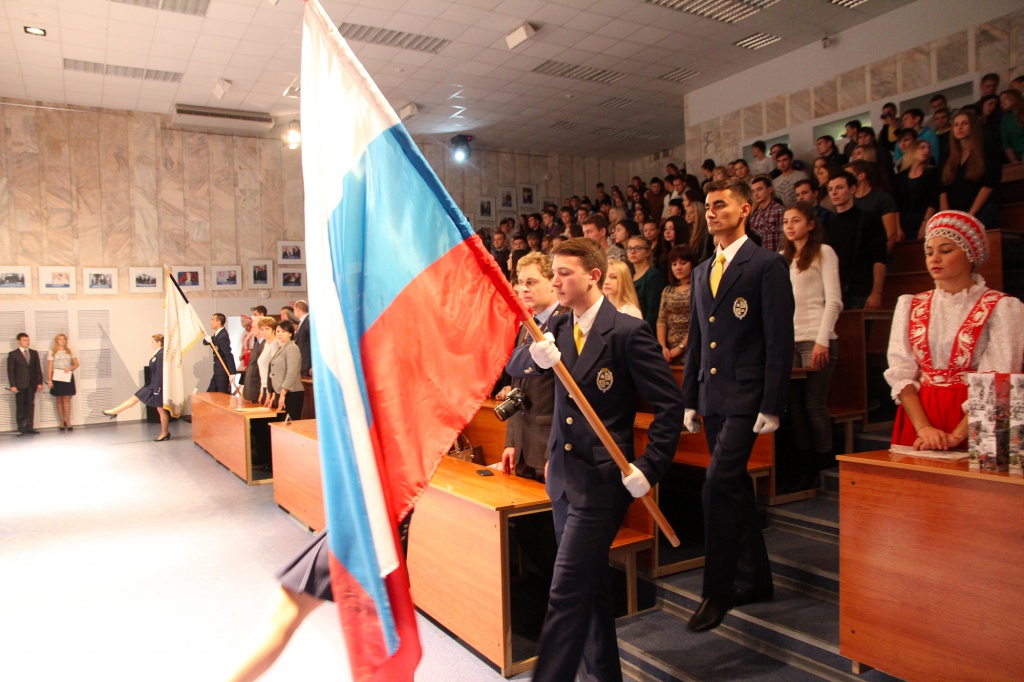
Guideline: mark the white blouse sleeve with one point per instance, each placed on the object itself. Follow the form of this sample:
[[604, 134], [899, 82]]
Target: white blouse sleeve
[[833, 295], [903, 370], [1004, 351]]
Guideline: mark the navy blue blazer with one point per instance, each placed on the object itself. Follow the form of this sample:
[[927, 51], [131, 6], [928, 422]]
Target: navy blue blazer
[[740, 352], [223, 342], [620, 360]]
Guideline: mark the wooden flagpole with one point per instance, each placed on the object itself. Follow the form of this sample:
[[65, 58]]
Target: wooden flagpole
[[231, 379], [606, 438]]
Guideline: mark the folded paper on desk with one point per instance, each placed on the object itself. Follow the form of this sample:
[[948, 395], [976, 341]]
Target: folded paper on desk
[[947, 455]]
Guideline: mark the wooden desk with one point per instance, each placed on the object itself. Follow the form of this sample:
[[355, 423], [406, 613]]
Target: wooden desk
[[223, 431], [930, 555], [459, 555], [308, 404], [298, 487]]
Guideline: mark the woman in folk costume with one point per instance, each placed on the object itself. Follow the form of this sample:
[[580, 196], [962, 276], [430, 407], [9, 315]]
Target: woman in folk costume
[[940, 336]]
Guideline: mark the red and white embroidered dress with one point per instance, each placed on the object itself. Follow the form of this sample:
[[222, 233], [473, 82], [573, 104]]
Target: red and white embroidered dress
[[938, 338]]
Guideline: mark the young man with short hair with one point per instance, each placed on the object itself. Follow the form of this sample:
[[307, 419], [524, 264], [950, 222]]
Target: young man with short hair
[[875, 201], [655, 198], [852, 128], [614, 359], [742, 170], [787, 178], [596, 227], [805, 193], [762, 163], [220, 382], [826, 147], [500, 251], [302, 339], [738, 361], [887, 135], [914, 120], [941, 126], [859, 240], [25, 379], [766, 215]]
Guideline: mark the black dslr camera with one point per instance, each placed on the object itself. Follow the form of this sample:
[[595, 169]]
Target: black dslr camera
[[513, 403]]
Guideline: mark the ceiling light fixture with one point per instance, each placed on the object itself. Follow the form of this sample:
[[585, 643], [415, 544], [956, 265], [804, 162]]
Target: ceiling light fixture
[[460, 148], [221, 87], [293, 136], [757, 41], [408, 111], [35, 31], [519, 36]]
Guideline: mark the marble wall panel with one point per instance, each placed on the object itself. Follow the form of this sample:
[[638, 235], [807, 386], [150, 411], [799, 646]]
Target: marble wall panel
[[506, 169], [271, 226], [824, 99], [235, 247], [56, 187], [1016, 43], [692, 152], [753, 123], [853, 90], [711, 140], [196, 199], [115, 178], [992, 45], [951, 57], [798, 107], [453, 177], [222, 200], [144, 158], [25, 184], [6, 218], [591, 175], [914, 69], [774, 114], [87, 190], [294, 207], [732, 128], [882, 75], [170, 180], [579, 174], [538, 171]]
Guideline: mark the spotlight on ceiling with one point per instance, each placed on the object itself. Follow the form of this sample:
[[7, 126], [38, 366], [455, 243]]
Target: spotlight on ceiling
[[293, 136], [35, 31], [221, 87], [408, 111], [520, 35], [460, 148]]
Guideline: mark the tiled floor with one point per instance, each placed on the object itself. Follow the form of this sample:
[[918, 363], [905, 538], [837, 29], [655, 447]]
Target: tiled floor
[[122, 559]]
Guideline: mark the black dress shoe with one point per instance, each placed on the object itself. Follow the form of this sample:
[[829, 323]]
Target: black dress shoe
[[162, 438], [32, 431], [62, 428], [108, 413], [710, 614], [744, 597]]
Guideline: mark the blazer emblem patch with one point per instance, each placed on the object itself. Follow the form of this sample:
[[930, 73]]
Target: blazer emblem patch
[[740, 308], [605, 379]]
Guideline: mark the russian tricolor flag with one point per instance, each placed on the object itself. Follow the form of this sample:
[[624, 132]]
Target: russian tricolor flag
[[412, 322]]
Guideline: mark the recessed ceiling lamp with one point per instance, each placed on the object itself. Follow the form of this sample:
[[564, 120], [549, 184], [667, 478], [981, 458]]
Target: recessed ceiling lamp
[[757, 41], [293, 136], [35, 31]]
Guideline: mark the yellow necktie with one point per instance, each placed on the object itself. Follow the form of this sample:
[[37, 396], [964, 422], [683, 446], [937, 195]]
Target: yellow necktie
[[577, 334], [716, 274]]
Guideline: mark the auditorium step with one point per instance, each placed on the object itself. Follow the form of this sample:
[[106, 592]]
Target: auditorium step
[[794, 637]]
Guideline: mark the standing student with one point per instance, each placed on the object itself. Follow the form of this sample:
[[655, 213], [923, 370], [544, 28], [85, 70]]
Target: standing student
[[736, 376], [302, 338], [612, 358], [60, 379], [221, 381], [674, 314], [25, 378], [152, 394], [814, 273]]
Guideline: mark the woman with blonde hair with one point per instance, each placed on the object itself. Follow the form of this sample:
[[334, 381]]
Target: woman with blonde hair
[[60, 379], [152, 394], [701, 243], [618, 287]]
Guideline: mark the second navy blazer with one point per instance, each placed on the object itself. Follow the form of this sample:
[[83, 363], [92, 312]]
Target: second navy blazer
[[621, 359]]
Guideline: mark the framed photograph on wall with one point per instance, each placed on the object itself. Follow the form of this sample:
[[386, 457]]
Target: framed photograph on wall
[[507, 198], [100, 281], [291, 278], [189, 277], [225, 277], [261, 274], [145, 280], [59, 279], [291, 253], [486, 209], [15, 279], [527, 196]]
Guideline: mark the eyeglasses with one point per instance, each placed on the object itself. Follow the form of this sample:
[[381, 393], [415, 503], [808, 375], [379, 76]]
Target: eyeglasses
[[634, 249]]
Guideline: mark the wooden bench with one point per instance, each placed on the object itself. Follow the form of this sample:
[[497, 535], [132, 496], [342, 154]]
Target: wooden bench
[[627, 543]]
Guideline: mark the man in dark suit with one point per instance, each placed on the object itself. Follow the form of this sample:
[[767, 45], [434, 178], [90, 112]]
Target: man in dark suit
[[613, 358], [25, 377], [302, 338], [527, 431], [738, 362], [220, 383]]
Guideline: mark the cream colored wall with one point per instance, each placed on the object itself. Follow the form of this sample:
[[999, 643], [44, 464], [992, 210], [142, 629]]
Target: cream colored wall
[[993, 46]]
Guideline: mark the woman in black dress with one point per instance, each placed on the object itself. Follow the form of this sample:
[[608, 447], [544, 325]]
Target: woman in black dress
[[60, 379], [152, 394], [971, 173]]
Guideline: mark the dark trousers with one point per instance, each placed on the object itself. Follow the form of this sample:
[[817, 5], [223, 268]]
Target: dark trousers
[[25, 402], [735, 554], [578, 635], [219, 383], [293, 401]]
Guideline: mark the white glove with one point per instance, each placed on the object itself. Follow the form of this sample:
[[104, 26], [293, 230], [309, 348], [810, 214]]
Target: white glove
[[545, 353], [766, 423], [636, 483], [690, 421]]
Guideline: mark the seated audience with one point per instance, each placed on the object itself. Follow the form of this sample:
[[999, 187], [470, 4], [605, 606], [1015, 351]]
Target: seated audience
[[674, 312], [970, 175], [940, 335], [814, 273], [618, 287]]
